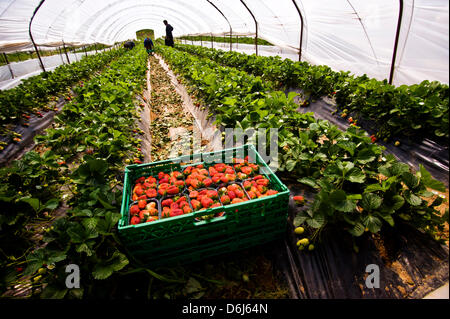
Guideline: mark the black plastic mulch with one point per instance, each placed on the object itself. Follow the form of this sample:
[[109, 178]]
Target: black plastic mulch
[[37, 125], [411, 264]]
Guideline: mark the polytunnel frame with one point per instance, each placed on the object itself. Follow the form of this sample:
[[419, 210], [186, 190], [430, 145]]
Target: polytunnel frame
[[301, 30], [31, 35], [256, 26], [231, 29], [159, 6], [394, 55]]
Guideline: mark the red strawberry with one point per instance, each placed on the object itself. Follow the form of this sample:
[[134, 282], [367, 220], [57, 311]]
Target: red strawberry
[[247, 185], [264, 182], [141, 204], [206, 202], [239, 193], [232, 195], [172, 190], [271, 192], [167, 202], [135, 220], [196, 204], [225, 199], [174, 206], [299, 200], [236, 200], [134, 210], [176, 212], [138, 190], [224, 179], [212, 194], [140, 179], [187, 209], [151, 192], [207, 182], [142, 197], [193, 194]]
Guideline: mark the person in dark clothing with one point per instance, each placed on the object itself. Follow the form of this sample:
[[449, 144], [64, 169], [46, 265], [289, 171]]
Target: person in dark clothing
[[148, 44], [129, 45], [169, 36]]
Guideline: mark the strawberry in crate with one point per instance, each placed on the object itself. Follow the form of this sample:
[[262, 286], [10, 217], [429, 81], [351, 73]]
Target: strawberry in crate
[[175, 206], [144, 188], [244, 169], [232, 194], [204, 199], [258, 186], [170, 184], [144, 211], [221, 173], [197, 177]]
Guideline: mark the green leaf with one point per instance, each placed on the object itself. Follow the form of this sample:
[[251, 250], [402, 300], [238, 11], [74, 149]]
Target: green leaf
[[104, 225], [51, 204], [371, 201], [348, 146], [438, 201], [429, 181], [355, 175], [317, 221], [357, 229], [290, 165], [373, 223], [412, 199], [410, 180], [373, 188], [339, 201], [365, 156], [106, 268], [388, 218], [54, 292], [194, 289], [300, 218], [34, 202], [308, 181]]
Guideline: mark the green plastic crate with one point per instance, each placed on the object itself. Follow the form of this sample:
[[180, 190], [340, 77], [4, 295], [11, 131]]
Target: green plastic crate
[[183, 239]]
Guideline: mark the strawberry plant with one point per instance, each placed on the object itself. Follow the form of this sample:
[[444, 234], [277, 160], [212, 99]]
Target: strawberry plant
[[419, 110], [343, 167]]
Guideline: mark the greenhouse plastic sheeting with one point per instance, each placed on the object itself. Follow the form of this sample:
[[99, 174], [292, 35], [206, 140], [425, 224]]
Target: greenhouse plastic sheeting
[[349, 35], [31, 67]]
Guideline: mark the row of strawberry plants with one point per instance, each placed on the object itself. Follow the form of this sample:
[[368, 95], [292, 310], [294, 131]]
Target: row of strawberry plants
[[87, 147], [35, 92], [358, 187], [419, 110]]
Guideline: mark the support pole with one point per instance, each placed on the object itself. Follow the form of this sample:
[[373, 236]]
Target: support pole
[[201, 41], [31, 36], [65, 51], [256, 26], [231, 30], [212, 41], [397, 36], [85, 52], [60, 54], [301, 31], [95, 46], [7, 63]]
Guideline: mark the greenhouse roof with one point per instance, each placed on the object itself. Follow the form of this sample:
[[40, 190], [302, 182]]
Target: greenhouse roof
[[361, 36]]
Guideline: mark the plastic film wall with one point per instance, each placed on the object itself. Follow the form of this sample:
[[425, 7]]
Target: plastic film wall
[[348, 35]]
